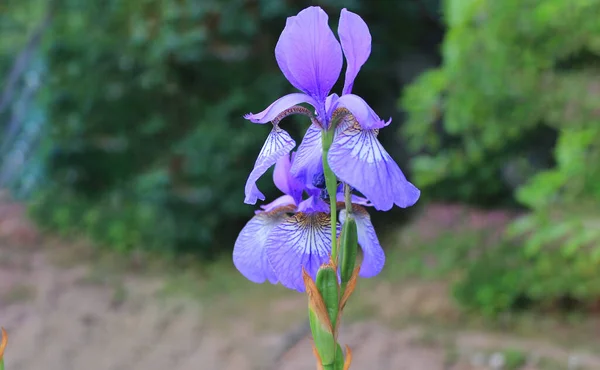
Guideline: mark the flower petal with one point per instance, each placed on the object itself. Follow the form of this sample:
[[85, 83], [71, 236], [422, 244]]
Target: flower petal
[[359, 159], [313, 204], [278, 106], [278, 144], [309, 55], [282, 201], [284, 181], [373, 255], [366, 117], [249, 253], [308, 161], [356, 43], [303, 240]]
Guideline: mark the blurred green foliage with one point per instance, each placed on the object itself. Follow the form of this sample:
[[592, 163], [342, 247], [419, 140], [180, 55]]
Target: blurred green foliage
[[516, 105], [145, 142]]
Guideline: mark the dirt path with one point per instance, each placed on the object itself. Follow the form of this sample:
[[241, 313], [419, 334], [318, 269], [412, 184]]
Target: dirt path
[[65, 317]]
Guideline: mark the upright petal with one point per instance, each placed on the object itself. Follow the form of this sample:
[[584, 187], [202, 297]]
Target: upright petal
[[356, 43], [249, 253], [278, 144], [303, 240], [359, 159], [308, 161], [373, 255], [278, 106], [284, 181], [309, 55], [366, 117]]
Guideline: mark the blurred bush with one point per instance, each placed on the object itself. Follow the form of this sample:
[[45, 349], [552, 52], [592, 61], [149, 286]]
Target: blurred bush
[[515, 106], [144, 140]]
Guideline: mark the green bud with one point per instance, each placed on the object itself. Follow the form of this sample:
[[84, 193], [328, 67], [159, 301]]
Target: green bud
[[348, 249]]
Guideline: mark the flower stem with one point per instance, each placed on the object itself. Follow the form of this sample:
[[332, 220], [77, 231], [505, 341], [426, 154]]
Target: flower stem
[[331, 185]]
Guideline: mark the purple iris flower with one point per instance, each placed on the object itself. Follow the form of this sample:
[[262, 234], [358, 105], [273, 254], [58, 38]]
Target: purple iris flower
[[310, 57], [291, 232]]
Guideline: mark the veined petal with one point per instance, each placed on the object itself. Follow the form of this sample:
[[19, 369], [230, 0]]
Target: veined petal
[[278, 106], [278, 144], [309, 55], [373, 255], [359, 159], [356, 43], [303, 240], [282, 201], [249, 253], [284, 181], [366, 117], [308, 161]]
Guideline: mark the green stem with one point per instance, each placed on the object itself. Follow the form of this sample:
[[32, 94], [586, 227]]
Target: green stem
[[348, 198], [331, 185]]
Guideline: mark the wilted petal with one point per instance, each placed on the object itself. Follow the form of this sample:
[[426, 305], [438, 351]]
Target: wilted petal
[[373, 255], [366, 117], [308, 161], [356, 43], [303, 240], [309, 55], [278, 144], [359, 159], [284, 181], [278, 106], [249, 253]]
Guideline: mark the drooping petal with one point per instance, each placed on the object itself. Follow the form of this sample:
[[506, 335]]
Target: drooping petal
[[308, 161], [278, 106], [284, 181], [359, 159], [373, 255], [340, 197], [282, 201], [356, 43], [309, 55], [278, 144], [249, 253], [303, 240], [366, 117]]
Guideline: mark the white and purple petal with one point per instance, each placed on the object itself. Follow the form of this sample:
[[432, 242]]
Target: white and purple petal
[[249, 253], [278, 143], [279, 106], [356, 43], [373, 255], [359, 159], [303, 240], [366, 117], [308, 160], [309, 55]]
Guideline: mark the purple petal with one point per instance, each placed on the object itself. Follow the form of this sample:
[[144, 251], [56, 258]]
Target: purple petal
[[308, 161], [285, 182], [282, 201], [309, 55], [249, 253], [359, 159], [300, 241], [340, 197], [373, 255], [330, 103], [278, 106], [278, 144], [366, 117], [356, 43], [313, 204]]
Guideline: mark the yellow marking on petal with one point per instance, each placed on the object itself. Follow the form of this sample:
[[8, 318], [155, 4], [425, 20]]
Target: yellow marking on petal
[[3, 343], [348, 358]]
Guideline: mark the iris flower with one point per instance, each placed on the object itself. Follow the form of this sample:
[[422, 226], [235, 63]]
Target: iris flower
[[310, 57], [291, 232]]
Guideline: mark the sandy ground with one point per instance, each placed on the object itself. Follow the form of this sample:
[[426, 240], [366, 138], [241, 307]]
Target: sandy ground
[[62, 318]]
